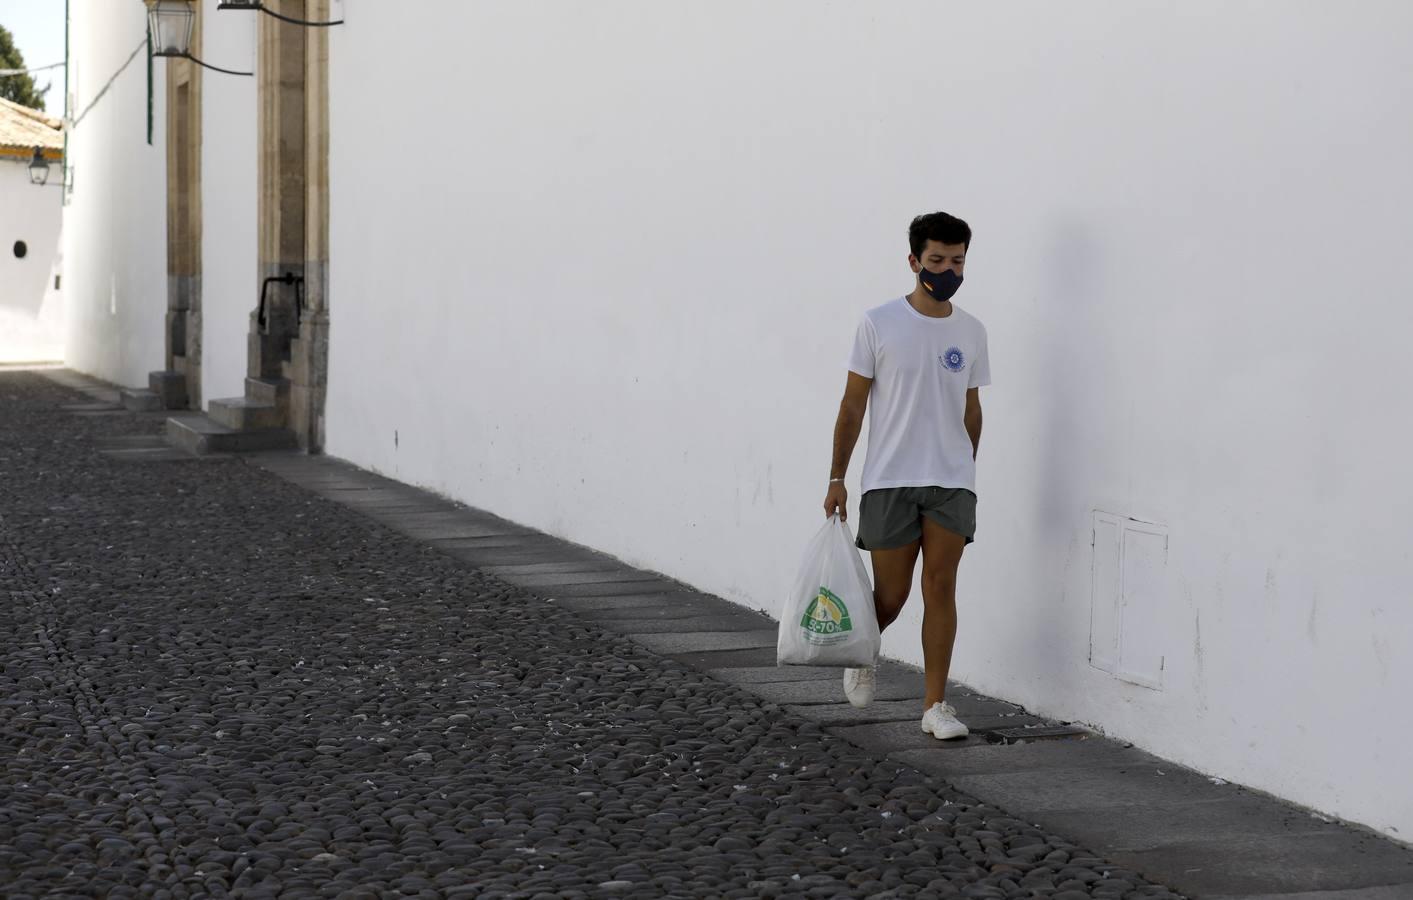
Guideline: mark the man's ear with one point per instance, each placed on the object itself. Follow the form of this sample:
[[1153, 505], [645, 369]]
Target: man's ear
[[914, 264]]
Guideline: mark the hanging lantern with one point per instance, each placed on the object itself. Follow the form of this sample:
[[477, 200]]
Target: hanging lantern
[[38, 168], [170, 22]]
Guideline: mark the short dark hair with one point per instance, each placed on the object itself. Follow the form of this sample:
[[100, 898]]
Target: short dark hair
[[939, 227]]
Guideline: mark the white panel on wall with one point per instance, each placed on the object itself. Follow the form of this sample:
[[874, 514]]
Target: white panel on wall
[[1143, 604], [1104, 598], [1128, 599]]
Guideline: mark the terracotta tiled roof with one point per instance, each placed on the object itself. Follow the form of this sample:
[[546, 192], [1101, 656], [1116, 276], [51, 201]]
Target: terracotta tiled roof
[[22, 129]]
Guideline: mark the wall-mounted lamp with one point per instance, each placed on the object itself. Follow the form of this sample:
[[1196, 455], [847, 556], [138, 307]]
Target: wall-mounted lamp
[[38, 168], [257, 5], [170, 23]]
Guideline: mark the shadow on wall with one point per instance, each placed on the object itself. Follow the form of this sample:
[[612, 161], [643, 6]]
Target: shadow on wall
[[1075, 359]]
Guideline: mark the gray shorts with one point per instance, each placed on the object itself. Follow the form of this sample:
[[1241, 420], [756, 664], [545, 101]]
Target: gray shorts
[[892, 517]]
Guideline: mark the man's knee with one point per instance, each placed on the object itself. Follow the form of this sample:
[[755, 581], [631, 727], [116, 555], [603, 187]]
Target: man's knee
[[892, 594], [939, 585], [889, 601], [887, 616]]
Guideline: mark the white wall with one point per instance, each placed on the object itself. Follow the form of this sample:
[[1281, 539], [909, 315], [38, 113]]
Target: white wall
[[230, 281], [31, 309], [115, 235], [617, 303]]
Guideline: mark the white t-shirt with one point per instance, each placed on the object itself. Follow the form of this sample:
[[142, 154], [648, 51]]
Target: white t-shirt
[[921, 369]]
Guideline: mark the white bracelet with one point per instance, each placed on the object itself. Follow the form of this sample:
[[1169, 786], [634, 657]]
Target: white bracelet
[[832, 480]]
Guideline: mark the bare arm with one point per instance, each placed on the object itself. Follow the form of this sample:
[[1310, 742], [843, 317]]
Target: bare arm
[[972, 419], [846, 435]]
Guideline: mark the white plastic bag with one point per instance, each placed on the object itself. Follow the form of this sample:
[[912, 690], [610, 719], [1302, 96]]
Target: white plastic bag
[[828, 617]]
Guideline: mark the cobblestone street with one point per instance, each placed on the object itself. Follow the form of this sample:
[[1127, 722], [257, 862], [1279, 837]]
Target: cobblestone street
[[214, 684]]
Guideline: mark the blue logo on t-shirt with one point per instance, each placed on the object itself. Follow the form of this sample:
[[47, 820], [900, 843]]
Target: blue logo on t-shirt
[[953, 360]]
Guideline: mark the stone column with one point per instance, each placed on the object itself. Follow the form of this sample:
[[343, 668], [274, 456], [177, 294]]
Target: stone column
[[183, 338], [308, 391], [282, 192]]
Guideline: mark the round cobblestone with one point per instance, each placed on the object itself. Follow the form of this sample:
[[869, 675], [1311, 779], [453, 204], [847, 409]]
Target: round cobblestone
[[215, 683]]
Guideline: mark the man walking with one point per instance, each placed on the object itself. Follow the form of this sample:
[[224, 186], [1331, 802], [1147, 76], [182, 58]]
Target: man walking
[[920, 360]]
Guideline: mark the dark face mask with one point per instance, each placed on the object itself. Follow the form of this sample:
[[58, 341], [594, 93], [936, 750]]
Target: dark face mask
[[941, 285]]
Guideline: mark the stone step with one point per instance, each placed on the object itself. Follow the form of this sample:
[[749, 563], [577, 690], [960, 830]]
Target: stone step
[[271, 391], [245, 414], [197, 434], [139, 400], [170, 386]]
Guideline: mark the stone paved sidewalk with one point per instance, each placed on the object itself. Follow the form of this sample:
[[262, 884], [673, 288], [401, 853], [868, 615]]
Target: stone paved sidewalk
[[216, 683]]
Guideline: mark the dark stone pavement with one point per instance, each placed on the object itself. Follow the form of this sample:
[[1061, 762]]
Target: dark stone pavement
[[214, 683]]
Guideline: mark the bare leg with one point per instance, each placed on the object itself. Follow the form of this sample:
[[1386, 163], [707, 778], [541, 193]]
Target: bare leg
[[893, 580], [941, 553]]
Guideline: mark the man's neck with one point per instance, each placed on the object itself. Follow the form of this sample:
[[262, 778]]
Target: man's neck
[[928, 305]]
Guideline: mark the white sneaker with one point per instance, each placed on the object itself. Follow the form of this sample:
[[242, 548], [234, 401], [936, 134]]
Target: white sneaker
[[941, 722], [859, 685]]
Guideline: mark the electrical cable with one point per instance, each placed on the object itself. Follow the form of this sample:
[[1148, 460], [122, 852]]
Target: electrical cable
[[308, 24], [57, 65], [142, 45], [213, 68]]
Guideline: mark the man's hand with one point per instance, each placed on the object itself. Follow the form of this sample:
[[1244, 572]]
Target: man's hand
[[837, 501]]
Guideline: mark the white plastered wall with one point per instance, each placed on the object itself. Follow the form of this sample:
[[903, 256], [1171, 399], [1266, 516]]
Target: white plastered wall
[[614, 298], [115, 231], [230, 282], [31, 307]]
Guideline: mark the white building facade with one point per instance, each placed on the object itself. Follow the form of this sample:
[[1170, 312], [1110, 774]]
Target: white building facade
[[230, 276], [31, 219], [115, 223], [614, 300]]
